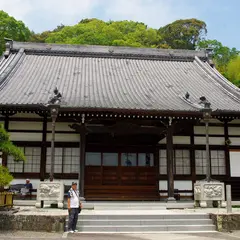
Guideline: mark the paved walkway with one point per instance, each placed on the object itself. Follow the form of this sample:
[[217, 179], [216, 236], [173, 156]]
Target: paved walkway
[[165, 236]]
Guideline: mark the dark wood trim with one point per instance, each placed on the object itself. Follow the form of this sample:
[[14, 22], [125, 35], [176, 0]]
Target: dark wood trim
[[157, 164], [210, 135], [170, 160], [43, 150], [4, 155], [192, 156], [82, 159], [227, 155]]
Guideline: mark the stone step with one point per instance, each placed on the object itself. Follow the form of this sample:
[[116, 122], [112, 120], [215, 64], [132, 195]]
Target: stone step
[[141, 216], [145, 222], [146, 228], [130, 207]]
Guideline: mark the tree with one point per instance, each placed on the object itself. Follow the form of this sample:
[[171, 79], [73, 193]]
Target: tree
[[183, 34], [222, 55], [11, 28], [233, 71], [98, 32], [6, 146]]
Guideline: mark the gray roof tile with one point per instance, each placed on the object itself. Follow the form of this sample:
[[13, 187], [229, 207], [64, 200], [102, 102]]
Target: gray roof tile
[[110, 82]]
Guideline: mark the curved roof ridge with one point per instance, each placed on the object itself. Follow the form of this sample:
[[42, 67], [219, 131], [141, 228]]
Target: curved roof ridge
[[10, 66], [108, 51], [226, 86]]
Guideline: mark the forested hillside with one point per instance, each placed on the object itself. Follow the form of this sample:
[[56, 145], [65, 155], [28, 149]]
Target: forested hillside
[[181, 34]]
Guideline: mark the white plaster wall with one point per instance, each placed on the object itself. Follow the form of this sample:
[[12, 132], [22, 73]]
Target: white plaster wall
[[60, 126], [235, 141], [25, 125], [212, 140], [180, 185], [235, 121], [29, 137], [233, 130], [62, 137], [25, 115], [35, 182], [177, 140], [212, 130], [235, 163]]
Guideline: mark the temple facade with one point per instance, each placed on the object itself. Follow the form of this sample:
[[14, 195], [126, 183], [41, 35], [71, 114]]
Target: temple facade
[[130, 121]]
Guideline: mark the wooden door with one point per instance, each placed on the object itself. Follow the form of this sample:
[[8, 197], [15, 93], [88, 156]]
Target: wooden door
[[122, 176]]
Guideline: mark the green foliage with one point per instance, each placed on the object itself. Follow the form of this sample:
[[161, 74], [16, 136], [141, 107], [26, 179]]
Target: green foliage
[[183, 34], [97, 32], [6, 146], [222, 55], [5, 176], [233, 71], [11, 28]]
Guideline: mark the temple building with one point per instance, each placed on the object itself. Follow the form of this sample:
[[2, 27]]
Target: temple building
[[129, 121]]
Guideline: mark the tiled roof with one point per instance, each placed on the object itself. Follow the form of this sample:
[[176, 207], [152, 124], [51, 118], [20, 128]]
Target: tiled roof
[[113, 78]]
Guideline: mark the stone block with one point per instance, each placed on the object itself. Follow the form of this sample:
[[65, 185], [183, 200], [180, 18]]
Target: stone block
[[51, 192], [205, 192]]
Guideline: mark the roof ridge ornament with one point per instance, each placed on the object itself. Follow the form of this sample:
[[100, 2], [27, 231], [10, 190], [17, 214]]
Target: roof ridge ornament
[[56, 99], [209, 56], [8, 46]]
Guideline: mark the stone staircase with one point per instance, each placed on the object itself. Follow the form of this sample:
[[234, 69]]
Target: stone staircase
[[140, 218]]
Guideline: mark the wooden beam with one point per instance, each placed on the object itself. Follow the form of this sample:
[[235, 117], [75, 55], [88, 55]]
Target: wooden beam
[[43, 150], [81, 175], [227, 156], [6, 127], [170, 162]]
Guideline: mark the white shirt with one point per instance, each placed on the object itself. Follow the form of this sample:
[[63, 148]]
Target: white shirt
[[74, 198]]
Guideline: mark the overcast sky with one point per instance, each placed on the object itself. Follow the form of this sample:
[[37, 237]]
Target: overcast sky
[[221, 16]]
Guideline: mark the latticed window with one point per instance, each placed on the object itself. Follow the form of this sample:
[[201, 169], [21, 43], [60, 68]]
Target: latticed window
[[66, 160], [182, 165], [32, 164], [218, 163]]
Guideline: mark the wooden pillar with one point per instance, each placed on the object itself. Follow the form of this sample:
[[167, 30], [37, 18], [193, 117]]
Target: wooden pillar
[[227, 156], [192, 157], [81, 174], [82, 160], [6, 127], [43, 150], [170, 163]]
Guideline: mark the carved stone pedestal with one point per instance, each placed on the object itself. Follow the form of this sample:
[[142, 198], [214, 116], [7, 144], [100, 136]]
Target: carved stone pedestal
[[206, 193], [50, 191]]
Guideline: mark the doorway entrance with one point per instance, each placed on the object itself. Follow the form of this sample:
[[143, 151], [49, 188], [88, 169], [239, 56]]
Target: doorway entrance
[[120, 176]]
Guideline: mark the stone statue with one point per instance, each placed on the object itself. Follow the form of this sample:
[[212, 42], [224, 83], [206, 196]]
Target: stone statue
[[56, 99]]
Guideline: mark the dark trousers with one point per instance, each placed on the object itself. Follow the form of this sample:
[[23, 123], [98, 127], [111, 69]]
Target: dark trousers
[[73, 218]]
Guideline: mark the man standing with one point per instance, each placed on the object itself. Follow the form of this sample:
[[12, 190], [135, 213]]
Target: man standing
[[74, 207]]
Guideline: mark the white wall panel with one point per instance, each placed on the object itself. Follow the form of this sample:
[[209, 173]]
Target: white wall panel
[[181, 140], [212, 130], [235, 163], [235, 141], [29, 137], [177, 140], [163, 141], [62, 137], [35, 182], [180, 185], [25, 115], [235, 121], [14, 125], [212, 140], [60, 126], [233, 130]]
